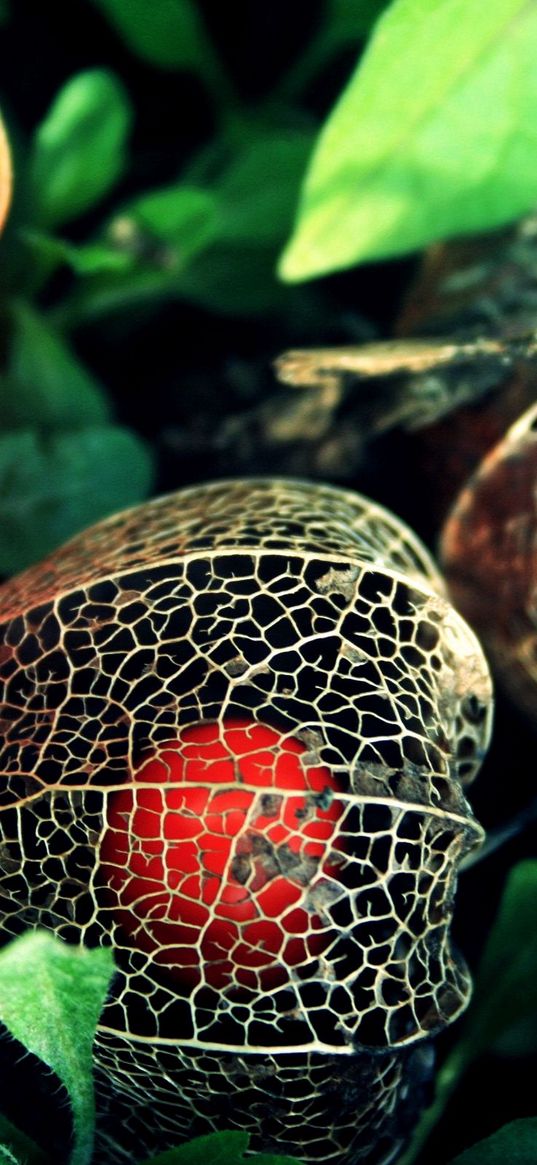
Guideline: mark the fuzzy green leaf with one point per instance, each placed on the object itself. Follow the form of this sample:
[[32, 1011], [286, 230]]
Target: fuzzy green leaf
[[22, 1147], [227, 1148], [7, 1157], [44, 384], [52, 486], [51, 996], [435, 135], [515, 1144], [79, 150]]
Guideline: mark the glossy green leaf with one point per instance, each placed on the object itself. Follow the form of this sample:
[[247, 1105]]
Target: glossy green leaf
[[20, 1145], [44, 384], [227, 1148], [435, 135], [79, 150], [52, 486], [51, 996], [514, 1144]]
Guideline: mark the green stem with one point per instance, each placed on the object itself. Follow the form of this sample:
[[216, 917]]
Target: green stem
[[446, 1083]]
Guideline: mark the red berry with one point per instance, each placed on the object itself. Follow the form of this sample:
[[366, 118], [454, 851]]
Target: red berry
[[212, 881]]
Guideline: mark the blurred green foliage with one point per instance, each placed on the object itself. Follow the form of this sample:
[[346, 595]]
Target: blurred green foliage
[[515, 1144], [212, 238], [414, 150]]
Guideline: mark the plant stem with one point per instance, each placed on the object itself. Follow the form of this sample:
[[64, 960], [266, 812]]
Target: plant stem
[[446, 1083]]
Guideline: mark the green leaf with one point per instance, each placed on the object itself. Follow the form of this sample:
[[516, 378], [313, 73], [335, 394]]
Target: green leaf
[[213, 1149], [51, 996], [506, 986], [154, 238], [170, 34], [505, 992], [216, 247], [167, 33], [17, 1143], [44, 383], [84, 258], [257, 191], [514, 1144], [348, 21], [520, 1039], [226, 1148], [52, 486], [7, 1157], [235, 280], [181, 217], [79, 150], [435, 135]]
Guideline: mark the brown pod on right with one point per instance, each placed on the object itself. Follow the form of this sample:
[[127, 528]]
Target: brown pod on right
[[489, 556]]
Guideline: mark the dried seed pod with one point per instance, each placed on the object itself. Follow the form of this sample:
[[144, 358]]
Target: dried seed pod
[[237, 725], [489, 552]]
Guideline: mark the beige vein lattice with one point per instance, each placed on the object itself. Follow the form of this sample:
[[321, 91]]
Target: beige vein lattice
[[236, 726]]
